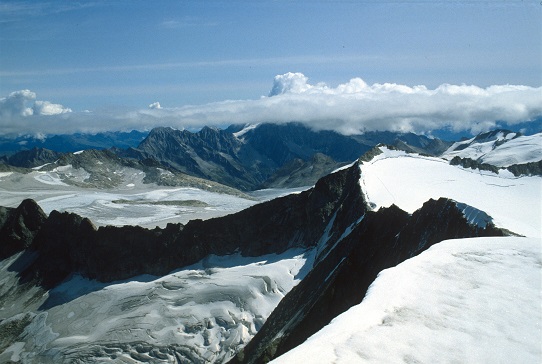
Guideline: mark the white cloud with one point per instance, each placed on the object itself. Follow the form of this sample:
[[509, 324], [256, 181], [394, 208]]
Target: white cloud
[[16, 104], [290, 83], [47, 108], [23, 104], [352, 107]]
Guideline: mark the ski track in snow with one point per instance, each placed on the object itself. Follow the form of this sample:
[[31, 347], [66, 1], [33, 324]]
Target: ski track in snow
[[395, 177], [462, 301]]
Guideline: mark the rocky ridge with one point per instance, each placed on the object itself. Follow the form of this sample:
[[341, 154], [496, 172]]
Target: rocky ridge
[[66, 243], [252, 157], [353, 244], [341, 276]]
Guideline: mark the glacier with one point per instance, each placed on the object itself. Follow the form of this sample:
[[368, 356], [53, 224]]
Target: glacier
[[501, 150], [201, 313]]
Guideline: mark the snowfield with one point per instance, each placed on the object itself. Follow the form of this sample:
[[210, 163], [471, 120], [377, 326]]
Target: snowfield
[[503, 151], [408, 180], [205, 312], [134, 203], [462, 301]]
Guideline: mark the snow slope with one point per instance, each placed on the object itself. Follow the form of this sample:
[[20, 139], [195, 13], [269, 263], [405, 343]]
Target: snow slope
[[204, 313], [408, 180], [462, 301], [502, 151]]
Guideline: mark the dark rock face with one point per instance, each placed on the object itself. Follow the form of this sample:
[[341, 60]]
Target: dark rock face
[[299, 173], [381, 240], [19, 226], [261, 156], [283, 143], [210, 153], [472, 164], [32, 158], [67, 243], [526, 169]]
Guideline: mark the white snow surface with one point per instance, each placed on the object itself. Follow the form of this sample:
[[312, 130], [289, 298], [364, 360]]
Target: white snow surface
[[247, 128], [409, 180], [132, 203], [462, 301], [520, 150], [147, 203], [210, 310]]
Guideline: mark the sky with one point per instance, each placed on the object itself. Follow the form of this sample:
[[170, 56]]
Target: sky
[[345, 65]]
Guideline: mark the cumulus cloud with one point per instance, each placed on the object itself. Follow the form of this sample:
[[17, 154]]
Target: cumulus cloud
[[16, 104], [23, 103], [47, 108], [349, 108], [291, 83], [355, 106]]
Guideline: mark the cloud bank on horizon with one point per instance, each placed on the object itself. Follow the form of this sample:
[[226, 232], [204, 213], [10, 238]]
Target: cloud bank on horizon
[[350, 108]]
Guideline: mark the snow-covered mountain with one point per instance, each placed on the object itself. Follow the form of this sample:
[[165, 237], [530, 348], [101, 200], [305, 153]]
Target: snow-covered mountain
[[251, 286], [499, 148], [395, 183], [408, 180]]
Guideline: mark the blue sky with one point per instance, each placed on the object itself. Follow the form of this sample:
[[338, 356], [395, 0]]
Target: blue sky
[[125, 55]]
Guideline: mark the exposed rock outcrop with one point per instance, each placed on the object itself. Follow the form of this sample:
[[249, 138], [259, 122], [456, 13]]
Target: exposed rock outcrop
[[526, 169], [32, 158], [472, 164], [298, 173], [19, 226], [381, 240], [67, 243]]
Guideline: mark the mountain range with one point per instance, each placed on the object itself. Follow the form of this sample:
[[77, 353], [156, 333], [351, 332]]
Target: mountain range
[[245, 157], [253, 285], [65, 143]]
